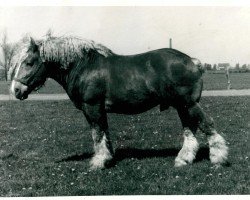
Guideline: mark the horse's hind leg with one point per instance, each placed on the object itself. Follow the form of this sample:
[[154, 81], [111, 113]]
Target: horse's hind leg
[[97, 118], [190, 145], [217, 145]]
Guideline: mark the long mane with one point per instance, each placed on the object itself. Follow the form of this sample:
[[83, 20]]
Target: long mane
[[65, 50], [58, 49]]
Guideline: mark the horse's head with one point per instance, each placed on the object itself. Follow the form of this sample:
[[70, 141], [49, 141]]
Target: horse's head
[[30, 71]]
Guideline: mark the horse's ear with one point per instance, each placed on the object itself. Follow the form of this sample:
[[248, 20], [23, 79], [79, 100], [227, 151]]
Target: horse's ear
[[33, 44], [32, 41]]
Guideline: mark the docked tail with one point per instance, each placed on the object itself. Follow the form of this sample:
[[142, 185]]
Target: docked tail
[[198, 64]]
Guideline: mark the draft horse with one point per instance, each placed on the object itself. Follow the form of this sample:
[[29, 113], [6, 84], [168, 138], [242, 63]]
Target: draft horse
[[99, 81]]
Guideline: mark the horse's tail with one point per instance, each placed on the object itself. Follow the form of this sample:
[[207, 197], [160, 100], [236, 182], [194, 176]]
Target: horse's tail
[[198, 63]]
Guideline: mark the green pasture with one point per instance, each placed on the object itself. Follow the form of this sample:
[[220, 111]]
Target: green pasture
[[46, 148], [218, 81]]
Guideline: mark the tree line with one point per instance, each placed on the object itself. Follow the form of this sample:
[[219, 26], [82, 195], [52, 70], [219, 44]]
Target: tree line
[[236, 68], [8, 51]]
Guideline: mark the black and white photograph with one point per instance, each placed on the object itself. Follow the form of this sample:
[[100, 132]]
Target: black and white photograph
[[102, 100]]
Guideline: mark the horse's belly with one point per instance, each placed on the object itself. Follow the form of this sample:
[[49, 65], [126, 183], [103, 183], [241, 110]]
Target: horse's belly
[[133, 94], [130, 106]]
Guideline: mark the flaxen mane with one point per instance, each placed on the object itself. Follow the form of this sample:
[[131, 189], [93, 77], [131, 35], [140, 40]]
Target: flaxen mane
[[65, 50]]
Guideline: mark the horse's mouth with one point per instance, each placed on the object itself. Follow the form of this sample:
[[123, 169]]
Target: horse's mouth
[[19, 90], [21, 96]]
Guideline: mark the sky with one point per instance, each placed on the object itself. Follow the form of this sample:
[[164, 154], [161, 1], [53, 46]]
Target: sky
[[213, 34]]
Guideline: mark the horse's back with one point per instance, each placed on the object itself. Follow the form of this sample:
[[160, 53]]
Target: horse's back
[[140, 82]]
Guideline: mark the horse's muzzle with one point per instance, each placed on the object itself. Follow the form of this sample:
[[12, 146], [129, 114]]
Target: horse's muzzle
[[19, 90]]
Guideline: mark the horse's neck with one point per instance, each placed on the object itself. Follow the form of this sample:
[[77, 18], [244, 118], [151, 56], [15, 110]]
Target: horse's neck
[[62, 76], [58, 74]]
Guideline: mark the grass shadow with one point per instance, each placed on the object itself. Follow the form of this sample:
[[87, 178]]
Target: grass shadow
[[76, 157], [121, 154], [127, 153], [202, 154]]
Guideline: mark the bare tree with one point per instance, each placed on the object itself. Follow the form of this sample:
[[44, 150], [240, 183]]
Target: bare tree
[[8, 50]]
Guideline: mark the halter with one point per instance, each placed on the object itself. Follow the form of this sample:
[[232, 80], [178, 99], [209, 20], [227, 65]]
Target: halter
[[26, 82]]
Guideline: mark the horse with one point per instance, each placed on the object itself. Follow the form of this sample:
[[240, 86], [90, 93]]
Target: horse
[[99, 81]]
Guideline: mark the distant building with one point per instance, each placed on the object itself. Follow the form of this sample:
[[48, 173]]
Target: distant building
[[223, 66]]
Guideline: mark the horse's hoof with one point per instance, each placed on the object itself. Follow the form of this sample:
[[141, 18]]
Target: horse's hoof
[[94, 167], [180, 162], [97, 163]]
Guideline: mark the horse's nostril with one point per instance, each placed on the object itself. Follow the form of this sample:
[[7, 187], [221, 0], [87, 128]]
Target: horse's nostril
[[17, 90]]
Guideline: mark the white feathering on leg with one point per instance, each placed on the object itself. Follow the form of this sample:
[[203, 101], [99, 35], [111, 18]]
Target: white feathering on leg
[[102, 155], [218, 149], [188, 151]]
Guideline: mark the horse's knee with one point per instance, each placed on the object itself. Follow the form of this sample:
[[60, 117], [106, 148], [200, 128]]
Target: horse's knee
[[206, 125], [205, 122], [195, 111]]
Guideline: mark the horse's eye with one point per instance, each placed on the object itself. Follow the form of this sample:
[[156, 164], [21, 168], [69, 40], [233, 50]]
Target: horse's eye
[[29, 64]]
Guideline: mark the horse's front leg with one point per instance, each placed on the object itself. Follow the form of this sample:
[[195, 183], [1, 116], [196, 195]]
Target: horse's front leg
[[97, 118]]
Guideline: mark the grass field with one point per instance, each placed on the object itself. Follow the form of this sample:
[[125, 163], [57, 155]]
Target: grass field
[[219, 82], [46, 148], [50, 87], [211, 82]]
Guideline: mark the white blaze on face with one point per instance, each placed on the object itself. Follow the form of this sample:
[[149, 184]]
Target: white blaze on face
[[14, 83], [12, 87]]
